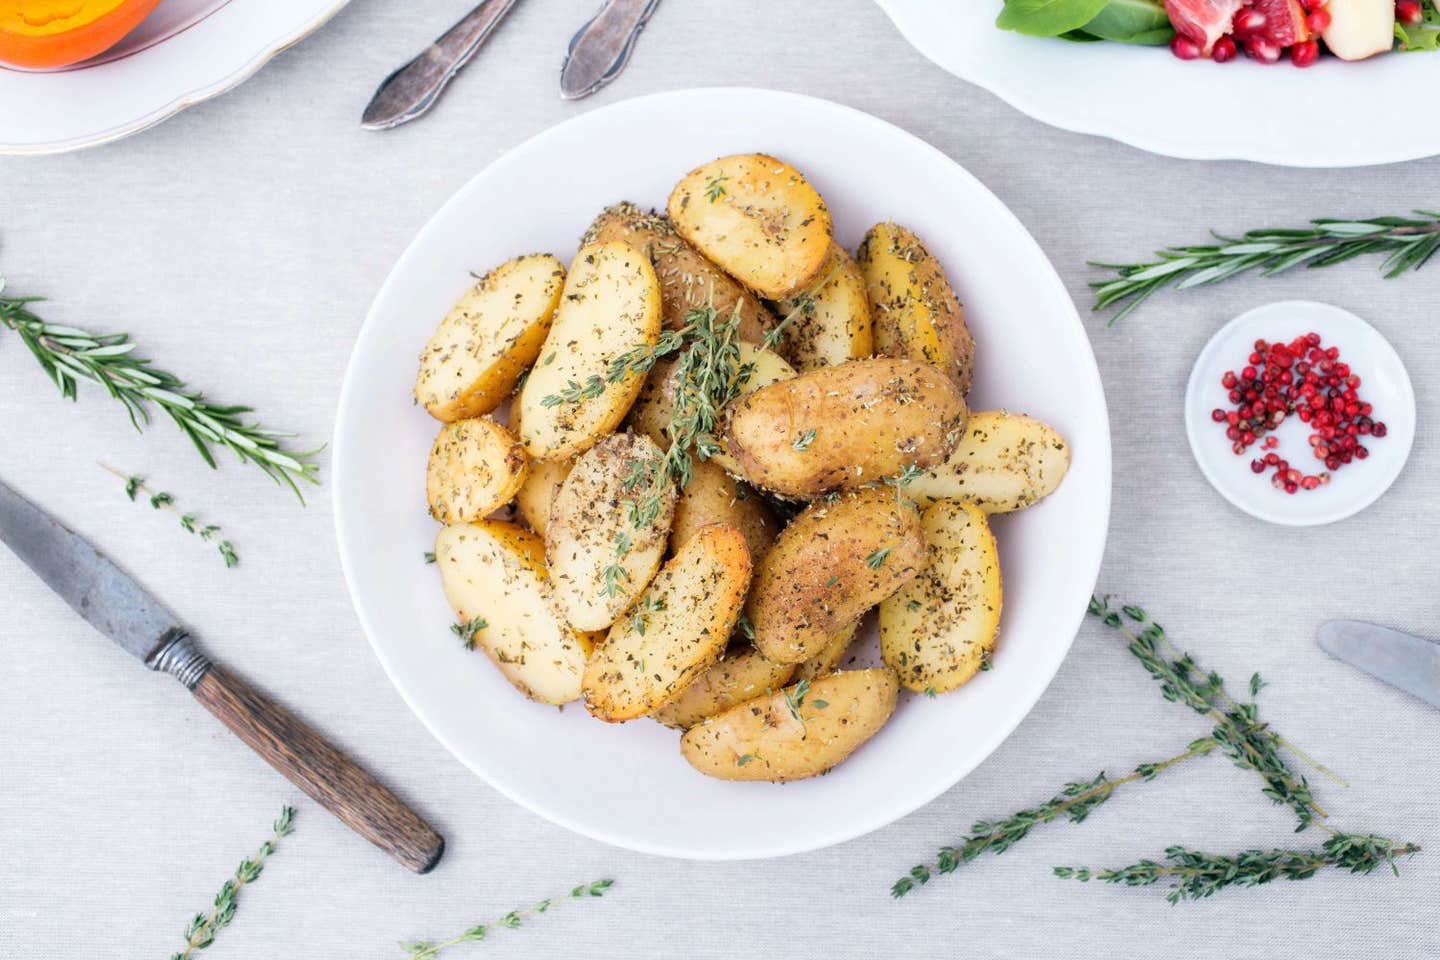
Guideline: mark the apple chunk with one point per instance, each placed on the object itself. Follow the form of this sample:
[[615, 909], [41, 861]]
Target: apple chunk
[[1360, 28]]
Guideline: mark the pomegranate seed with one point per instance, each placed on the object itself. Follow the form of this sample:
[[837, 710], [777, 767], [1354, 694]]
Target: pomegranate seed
[[1224, 50], [1217, 415], [1332, 462], [1409, 11], [1310, 5], [1257, 466], [1310, 483], [1361, 453], [1184, 48], [1318, 20], [1379, 430], [1249, 20], [1263, 50], [1228, 381], [1305, 54]]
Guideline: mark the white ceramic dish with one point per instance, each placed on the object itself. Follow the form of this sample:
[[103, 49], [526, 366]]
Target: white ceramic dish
[[1383, 382], [1334, 114], [186, 51], [628, 784]]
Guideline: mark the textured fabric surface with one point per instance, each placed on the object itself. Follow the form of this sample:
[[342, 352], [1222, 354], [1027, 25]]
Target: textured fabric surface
[[241, 243]]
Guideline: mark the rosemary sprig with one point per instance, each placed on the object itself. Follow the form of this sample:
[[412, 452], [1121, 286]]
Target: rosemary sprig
[[1196, 875], [202, 929], [1410, 242], [69, 355], [1075, 802], [160, 500], [1238, 729], [425, 949]]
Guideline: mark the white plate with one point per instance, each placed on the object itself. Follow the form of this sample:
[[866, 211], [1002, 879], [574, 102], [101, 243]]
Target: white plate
[[186, 51], [1334, 114], [1383, 383], [627, 784]]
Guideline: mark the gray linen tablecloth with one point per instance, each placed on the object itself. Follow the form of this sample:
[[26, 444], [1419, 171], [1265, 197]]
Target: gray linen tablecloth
[[241, 243]]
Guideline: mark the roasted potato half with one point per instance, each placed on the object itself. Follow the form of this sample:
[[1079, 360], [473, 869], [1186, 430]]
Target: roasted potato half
[[475, 468], [599, 559], [801, 731], [535, 495], [844, 426], [687, 279], [1003, 462], [939, 630], [915, 311], [827, 659], [756, 217], [713, 496], [493, 574], [675, 633], [489, 338], [831, 564], [742, 674], [610, 305], [830, 323]]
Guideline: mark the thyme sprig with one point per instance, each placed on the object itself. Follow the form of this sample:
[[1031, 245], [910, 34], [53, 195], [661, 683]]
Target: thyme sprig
[[160, 500], [69, 355], [1238, 728], [1410, 242], [203, 927], [425, 949], [1075, 802], [1195, 875]]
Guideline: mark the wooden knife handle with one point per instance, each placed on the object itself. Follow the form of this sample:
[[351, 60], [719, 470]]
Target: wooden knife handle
[[310, 762]]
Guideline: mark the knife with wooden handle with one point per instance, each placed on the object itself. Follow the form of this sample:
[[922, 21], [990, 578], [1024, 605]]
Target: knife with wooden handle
[[124, 611]]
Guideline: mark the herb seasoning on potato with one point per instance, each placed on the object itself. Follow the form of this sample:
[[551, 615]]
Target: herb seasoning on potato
[[914, 308], [687, 280], [832, 322], [831, 564], [476, 467], [871, 419], [756, 217], [490, 337]]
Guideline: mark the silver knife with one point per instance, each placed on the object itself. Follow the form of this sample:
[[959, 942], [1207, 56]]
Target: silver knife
[[600, 50], [413, 89], [124, 611], [1402, 660]]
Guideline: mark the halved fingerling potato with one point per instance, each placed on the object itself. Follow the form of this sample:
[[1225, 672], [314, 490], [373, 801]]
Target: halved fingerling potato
[[938, 631], [687, 279], [914, 308], [801, 731], [844, 426], [713, 496], [600, 560], [742, 674], [831, 564], [537, 493], [610, 305], [489, 338], [1003, 462], [756, 217], [830, 323], [675, 633], [476, 466], [494, 576], [827, 659]]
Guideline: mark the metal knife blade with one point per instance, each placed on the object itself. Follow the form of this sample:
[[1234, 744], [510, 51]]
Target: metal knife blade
[[413, 89], [1402, 660], [95, 587], [599, 51]]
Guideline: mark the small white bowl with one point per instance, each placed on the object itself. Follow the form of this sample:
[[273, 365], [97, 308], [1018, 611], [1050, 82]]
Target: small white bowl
[[1384, 383]]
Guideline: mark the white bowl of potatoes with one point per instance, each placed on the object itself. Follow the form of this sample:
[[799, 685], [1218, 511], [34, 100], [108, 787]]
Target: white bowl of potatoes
[[721, 447]]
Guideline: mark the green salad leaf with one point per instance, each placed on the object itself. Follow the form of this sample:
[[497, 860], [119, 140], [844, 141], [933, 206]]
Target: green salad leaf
[[1048, 18], [1122, 21], [1421, 36], [1132, 21]]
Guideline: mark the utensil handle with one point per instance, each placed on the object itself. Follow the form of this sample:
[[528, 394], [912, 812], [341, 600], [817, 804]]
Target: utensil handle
[[314, 765]]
